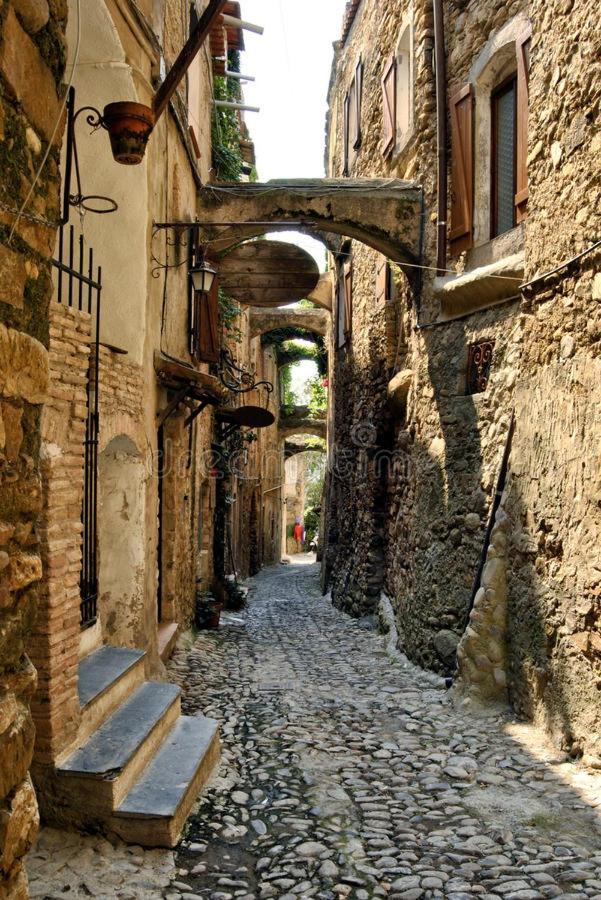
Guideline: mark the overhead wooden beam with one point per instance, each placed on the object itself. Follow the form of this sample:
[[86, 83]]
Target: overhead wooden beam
[[186, 56]]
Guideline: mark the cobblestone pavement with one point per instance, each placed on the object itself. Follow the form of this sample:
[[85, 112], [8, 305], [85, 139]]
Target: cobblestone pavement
[[345, 774]]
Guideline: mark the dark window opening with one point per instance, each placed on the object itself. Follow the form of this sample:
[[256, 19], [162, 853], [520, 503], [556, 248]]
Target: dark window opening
[[504, 158], [479, 362]]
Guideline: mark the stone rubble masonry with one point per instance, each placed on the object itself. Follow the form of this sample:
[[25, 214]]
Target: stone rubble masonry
[[54, 644], [416, 532], [482, 654], [31, 66]]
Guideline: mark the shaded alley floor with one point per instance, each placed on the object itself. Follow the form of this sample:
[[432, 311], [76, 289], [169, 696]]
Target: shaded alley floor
[[345, 774]]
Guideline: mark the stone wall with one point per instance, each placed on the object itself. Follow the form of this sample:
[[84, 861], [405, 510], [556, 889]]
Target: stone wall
[[417, 529], [554, 570], [413, 482], [31, 66]]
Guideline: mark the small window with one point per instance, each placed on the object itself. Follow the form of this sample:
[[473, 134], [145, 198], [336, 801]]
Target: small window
[[404, 90], [479, 362], [353, 101], [503, 115]]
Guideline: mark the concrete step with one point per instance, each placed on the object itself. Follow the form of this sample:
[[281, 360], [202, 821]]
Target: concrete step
[[107, 677], [155, 810], [102, 771], [167, 639]]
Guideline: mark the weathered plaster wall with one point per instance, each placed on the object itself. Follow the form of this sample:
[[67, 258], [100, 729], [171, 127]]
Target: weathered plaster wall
[[256, 515], [31, 67]]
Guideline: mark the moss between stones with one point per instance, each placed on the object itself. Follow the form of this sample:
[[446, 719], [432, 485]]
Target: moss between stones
[[50, 41]]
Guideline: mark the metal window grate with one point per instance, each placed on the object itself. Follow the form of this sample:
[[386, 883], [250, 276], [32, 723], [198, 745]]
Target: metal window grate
[[479, 362], [79, 285]]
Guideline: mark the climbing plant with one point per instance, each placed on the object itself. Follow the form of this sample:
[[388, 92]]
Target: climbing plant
[[226, 133], [229, 312], [287, 352]]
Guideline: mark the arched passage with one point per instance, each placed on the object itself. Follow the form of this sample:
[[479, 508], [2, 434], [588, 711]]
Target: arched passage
[[385, 214]]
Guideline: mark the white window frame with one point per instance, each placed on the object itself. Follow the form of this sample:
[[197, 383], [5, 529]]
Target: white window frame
[[496, 61], [405, 84]]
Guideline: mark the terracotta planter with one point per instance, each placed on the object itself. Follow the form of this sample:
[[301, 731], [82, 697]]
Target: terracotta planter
[[208, 614], [129, 126]]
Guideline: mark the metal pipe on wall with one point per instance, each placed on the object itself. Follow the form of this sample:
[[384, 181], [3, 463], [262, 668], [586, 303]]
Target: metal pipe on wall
[[440, 69]]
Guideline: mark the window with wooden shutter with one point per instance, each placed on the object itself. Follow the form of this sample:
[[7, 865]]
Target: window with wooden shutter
[[389, 94], [205, 343], [503, 156], [382, 280], [521, 168], [340, 316], [356, 135], [348, 297], [346, 132], [462, 170]]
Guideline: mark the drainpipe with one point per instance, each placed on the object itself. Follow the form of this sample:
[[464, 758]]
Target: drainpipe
[[441, 135]]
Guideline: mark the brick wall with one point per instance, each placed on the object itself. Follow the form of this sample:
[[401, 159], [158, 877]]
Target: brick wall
[[54, 644], [31, 65]]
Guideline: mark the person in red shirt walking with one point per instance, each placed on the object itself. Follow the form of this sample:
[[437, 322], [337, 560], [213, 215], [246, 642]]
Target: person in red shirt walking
[[299, 535]]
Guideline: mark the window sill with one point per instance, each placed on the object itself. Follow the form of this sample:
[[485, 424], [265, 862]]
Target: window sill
[[480, 287]]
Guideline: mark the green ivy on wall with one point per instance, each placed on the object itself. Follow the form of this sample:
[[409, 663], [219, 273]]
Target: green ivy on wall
[[225, 133]]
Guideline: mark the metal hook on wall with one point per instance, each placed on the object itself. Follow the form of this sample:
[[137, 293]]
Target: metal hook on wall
[[84, 202]]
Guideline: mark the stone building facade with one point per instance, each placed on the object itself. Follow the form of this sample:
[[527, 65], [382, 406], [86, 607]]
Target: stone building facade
[[431, 367], [108, 354], [31, 68]]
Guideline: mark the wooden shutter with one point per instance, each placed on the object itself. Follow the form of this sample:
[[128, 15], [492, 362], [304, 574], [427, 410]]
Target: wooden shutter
[[357, 137], [521, 180], [208, 325], [382, 281], [348, 297], [389, 104], [462, 170], [340, 319], [347, 110]]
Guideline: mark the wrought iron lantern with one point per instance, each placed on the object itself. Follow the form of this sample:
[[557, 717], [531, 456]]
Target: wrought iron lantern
[[202, 275]]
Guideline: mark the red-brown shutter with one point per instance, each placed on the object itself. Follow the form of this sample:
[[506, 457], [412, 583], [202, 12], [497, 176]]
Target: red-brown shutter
[[348, 297], [347, 110], [208, 324], [521, 179], [357, 137], [389, 103], [462, 170], [382, 281]]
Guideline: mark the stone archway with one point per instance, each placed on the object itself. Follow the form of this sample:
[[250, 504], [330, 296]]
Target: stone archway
[[263, 321], [385, 214]]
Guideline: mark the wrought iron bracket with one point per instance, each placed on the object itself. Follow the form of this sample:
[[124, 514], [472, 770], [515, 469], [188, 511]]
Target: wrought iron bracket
[[84, 202], [238, 379]]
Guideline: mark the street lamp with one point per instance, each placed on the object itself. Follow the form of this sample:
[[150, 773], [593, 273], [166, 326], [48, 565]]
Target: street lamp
[[202, 275]]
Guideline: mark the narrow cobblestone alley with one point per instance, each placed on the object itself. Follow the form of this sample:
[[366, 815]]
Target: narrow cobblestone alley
[[346, 775]]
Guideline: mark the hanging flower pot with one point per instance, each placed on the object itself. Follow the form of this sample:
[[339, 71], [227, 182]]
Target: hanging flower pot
[[129, 126]]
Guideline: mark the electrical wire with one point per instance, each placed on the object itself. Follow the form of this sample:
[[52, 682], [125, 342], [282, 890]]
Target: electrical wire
[[58, 122]]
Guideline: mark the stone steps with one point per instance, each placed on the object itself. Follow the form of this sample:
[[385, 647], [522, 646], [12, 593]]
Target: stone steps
[[112, 759], [105, 679], [137, 766], [159, 802]]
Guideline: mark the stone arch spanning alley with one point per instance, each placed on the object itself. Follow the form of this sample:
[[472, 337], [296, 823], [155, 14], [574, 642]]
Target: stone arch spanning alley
[[385, 214], [263, 321]]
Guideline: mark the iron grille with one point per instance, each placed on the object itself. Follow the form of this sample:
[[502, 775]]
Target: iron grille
[[79, 285], [479, 362]]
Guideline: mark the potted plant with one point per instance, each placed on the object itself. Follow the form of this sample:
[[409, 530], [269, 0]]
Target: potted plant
[[208, 610], [129, 126]]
